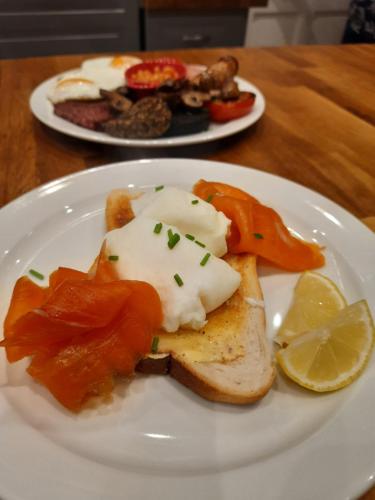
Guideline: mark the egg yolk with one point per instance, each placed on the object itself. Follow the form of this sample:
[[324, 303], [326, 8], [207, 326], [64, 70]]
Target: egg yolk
[[74, 81], [117, 61]]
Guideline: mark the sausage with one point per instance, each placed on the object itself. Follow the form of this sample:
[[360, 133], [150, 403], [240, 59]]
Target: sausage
[[216, 75]]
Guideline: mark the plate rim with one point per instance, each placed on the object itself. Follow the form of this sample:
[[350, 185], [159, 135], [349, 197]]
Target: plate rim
[[119, 164]]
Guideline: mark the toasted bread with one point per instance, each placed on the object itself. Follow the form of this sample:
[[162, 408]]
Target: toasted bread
[[118, 210], [238, 368]]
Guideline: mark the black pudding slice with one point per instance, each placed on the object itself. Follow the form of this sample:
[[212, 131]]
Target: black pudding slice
[[187, 122]]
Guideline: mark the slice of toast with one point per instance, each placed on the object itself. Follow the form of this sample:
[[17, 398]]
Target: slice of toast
[[246, 377], [239, 367]]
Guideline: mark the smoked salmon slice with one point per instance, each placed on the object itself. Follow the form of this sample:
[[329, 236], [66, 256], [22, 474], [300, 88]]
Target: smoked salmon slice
[[80, 331], [26, 296], [259, 229], [63, 274]]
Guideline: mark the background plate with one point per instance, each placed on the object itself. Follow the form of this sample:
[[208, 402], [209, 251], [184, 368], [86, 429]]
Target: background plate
[[43, 110], [157, 439]]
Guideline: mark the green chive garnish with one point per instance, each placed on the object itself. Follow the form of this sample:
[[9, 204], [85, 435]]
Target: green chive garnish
[[205, 259], [159, 188], [195, 202], [34, 273], [170, 233], [172, 242], [189, 237], [113, 257], [154, 345], [178, 280], [258, 236], [158, 227], [200, 244], [209, 198]]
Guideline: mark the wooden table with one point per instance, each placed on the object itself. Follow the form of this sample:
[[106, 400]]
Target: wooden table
[[318, 128]]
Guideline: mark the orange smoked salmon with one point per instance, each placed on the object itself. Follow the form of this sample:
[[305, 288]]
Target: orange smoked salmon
[[81, 331], [259, 229]]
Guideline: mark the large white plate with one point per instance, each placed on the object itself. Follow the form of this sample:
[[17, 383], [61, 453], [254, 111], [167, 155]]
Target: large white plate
[[157, 439], [43, 110]]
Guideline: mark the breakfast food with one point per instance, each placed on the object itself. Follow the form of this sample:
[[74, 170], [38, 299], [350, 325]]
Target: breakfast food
[[259, 229], [229, 359], [316, 300], [174, 290], [85, 114], [224, 357], [127, 98], [217, 75], [147, 118], [152, 74], [105, 73], [81, 331], [86, 329], [333, 355]]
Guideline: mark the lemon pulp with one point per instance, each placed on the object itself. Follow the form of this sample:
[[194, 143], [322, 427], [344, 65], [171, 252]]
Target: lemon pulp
[[316, 300], [332, 356]]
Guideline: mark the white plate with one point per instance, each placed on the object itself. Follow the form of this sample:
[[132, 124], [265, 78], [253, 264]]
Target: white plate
[[158, 440], [43, 110]]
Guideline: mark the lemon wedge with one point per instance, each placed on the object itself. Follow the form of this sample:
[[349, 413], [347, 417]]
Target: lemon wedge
[[316, 300], [332, 356]]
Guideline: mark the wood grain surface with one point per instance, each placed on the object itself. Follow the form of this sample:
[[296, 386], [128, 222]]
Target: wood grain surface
[[318, 128]]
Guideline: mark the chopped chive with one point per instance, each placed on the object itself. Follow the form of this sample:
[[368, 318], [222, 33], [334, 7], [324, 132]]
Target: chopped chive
[[209, 198], [195, 202], [205, 259], [170, 233], [159, 188], [200, 244], [113, 257], [158, 227], [258, 236], [34, 273], [178, 280], [172, 242], [154, 345], [189, 237]]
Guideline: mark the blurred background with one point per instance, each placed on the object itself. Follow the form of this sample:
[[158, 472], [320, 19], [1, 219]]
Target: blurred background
[[44, 27]]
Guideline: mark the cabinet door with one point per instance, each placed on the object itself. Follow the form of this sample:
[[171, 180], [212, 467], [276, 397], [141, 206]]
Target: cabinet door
[[169, 30], [42, 27], [285, 22]]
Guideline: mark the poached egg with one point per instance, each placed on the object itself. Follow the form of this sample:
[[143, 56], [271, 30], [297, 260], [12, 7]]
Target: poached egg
[[189, 278], [191, 215], [190, 281]]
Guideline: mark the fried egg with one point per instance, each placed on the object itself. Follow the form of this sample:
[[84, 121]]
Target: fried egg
[[106, 73], [109, 72], [74, 86], [120, 63]]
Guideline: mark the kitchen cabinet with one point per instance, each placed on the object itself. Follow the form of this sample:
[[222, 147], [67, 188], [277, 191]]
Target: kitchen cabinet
[[170, 24], [284, 22], [43, 27], [174, 30]]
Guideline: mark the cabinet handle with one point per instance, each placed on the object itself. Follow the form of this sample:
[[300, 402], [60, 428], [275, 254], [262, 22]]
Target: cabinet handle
[[195, 38]]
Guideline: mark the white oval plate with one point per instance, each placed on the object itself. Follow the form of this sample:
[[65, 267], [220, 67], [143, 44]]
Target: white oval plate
[[43, 110], [157, 439]]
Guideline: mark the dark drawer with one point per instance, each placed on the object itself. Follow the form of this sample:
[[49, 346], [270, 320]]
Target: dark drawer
[[39, 27], [186, 29]]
